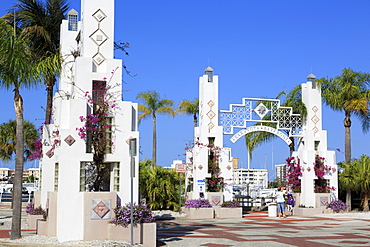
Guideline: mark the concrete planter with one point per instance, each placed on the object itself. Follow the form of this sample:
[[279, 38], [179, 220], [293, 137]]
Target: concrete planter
[[32, 220], [42, 228], [229, 213], [199, 213], [145, 234], [306, 211]]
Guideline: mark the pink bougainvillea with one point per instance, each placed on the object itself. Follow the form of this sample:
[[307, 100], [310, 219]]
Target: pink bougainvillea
[[294, 174]]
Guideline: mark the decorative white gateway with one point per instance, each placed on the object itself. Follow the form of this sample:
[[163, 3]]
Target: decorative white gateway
[[312, 140]]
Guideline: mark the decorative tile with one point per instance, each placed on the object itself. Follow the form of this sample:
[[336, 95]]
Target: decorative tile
[[69, 140], [315, 109], [211, 103], [99, 37], [324, 201], [99, 15], [211, 114], [315, 119], [228, 167], [211, 125], [50, 153], [216, 200], [98, 58], [261, 110], [200, 167], [100, 209]]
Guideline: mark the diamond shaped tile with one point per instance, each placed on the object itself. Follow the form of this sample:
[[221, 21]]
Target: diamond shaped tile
[[211, 103], [211, 114], [50, 153], [98, 58], [69, 140], [99, 37], [216, 200], [261, 110], [211, 125], [99, 15], [228, 167], [315, 119], [200, 167], [315, 109], [101, 209]]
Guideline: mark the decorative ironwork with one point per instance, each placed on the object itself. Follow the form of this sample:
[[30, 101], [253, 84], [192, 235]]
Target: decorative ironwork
[[263, 111]]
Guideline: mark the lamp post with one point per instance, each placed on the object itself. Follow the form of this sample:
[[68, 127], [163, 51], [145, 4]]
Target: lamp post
[[132, 175]]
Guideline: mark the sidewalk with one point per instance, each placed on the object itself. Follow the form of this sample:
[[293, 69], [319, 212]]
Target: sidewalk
[[254, 229], [257, 229]]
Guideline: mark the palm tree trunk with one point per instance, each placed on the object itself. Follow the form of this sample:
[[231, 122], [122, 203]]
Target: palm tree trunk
[[347, 145], [195, 125], [347, 137], [365, 203], [19, 159], [49, 99], [291, 146], [154, 154]]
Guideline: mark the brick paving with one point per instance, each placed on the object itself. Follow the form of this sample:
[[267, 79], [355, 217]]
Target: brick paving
[[257, 229]]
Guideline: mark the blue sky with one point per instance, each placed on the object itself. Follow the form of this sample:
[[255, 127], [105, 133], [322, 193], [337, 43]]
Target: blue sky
[[257, 48]]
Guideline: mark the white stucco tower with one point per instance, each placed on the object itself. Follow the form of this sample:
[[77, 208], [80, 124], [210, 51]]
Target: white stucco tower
[[87, 49], [314, 142], [208, 133]]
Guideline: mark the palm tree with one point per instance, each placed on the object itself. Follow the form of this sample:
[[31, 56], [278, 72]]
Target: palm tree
[[356, 177], [158, 186], [348, 93], [292, 99], [190, 108], [152, 104], [19, 68], [8, 139], [41, 20]]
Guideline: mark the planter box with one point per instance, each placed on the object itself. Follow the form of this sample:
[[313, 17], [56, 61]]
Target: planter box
[[306, 211], [42, 228], [145, 234], [229, 213], [32, 220], [199, 213]]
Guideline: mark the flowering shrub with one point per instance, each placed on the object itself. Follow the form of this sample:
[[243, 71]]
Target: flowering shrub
[[198, 203], [337, 205], [141, 214], [321, 184], [215, 183], [294, 174], [30, 209], [230, 204]]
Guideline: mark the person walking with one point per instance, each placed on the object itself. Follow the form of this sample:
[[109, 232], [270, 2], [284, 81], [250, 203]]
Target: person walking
[[280, 202]]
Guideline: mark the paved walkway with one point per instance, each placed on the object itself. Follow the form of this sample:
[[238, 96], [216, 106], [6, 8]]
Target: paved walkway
[[257, 229]]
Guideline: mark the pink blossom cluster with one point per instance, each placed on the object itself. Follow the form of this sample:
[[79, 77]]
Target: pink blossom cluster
[[294, 173]]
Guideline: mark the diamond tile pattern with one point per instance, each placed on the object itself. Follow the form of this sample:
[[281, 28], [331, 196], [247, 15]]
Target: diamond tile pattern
[[101, 209]]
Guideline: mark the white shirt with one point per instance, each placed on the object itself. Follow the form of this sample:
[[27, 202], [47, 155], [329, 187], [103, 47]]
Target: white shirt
[[280, 196]]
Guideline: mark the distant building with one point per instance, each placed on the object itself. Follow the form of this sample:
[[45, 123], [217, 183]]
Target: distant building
[[252, 177], [4, 173], [281, 172]]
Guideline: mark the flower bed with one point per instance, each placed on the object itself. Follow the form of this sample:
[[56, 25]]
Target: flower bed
[[199, 209]]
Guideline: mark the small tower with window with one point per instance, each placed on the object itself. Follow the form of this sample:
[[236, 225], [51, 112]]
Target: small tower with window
[[209, 162]]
